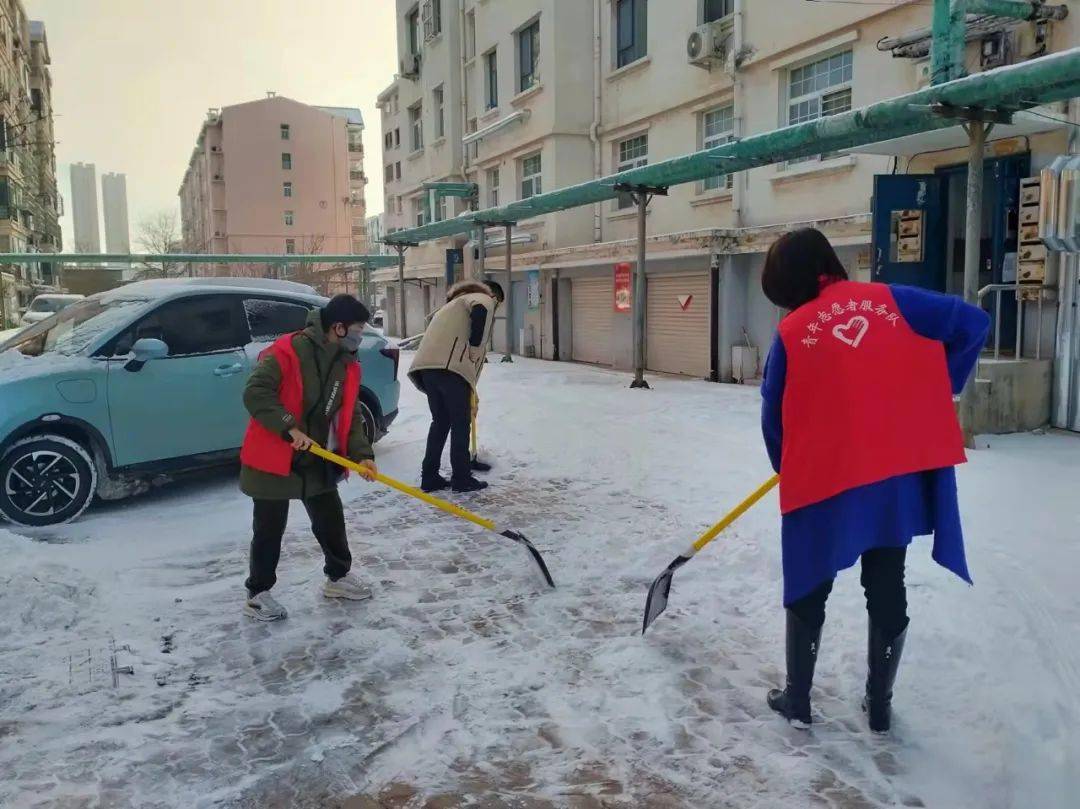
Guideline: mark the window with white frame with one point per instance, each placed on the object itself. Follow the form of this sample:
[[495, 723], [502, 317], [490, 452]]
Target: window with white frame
[[286, 189], [389, 174], [712, 10], [439, 112], [528, 45], [416, 127], [289, 218], [819, 89], [493, 188], [631, 153], [531, 169], [432, 19], [290, 246], [286, 160], [717, 128]]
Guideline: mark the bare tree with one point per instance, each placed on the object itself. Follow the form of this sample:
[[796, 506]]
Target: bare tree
[[160, 233]]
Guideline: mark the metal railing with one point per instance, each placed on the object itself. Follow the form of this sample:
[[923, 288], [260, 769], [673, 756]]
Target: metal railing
[[1016, 288]]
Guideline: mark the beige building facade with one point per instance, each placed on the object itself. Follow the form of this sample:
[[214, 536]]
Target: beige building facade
[[555, 93], [276, 176]]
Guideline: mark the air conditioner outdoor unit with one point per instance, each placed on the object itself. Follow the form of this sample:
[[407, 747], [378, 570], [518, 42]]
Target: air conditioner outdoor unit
[[410, 66], [709, 44]]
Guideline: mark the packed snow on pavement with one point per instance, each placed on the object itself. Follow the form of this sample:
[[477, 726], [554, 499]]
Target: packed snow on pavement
[[129, 676]]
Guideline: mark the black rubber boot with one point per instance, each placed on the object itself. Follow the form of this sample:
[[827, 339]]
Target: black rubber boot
[[480, 466], [793, 703], [882, 661], [469, 484], [434, 483]]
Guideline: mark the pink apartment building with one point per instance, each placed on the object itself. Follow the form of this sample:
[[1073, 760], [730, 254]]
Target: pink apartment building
[[276, 176]]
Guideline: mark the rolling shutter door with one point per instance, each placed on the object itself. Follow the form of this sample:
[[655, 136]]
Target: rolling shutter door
[[677, 339], [591, 307]]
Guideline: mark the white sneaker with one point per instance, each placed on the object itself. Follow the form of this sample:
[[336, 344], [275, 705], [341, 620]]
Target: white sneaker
[[264, 607], [348, 586]]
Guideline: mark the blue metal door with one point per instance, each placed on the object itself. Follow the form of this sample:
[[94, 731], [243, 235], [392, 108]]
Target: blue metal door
[[909, 230]]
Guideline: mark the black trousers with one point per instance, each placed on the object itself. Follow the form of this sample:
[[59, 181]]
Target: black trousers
[[268, 527], [883, 583], [450, 401]]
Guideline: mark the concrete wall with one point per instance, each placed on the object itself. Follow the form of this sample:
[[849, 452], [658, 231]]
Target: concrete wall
[[1012, 396]]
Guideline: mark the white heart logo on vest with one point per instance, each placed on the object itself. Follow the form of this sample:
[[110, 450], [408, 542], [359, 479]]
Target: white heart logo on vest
[[853, 331]]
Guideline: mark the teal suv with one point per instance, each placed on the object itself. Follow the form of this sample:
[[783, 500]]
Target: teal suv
[[129, 388]]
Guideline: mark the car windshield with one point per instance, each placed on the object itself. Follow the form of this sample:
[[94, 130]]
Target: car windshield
[[75, 328], [51, 304]]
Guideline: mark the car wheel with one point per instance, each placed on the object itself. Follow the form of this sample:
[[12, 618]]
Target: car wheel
[[45, 480], [371, 429]]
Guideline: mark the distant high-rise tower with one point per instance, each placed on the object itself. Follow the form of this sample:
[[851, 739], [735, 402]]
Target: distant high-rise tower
[[84, 208], [115, 207]]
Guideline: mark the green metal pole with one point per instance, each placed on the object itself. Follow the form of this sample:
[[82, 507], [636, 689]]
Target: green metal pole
[[480, 264], [642, 200], [1017, 9], [401, 290], [509, 292]]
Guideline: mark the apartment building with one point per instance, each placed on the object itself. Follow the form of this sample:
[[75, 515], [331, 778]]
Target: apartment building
[[114, 205], [276, 176], [30, 205], [85, 219], [557, 93]]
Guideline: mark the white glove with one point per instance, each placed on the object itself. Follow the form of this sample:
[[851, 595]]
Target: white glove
[[476, 354]]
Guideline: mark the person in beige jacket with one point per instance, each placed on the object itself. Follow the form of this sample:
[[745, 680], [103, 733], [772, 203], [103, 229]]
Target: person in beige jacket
[[447, 365]]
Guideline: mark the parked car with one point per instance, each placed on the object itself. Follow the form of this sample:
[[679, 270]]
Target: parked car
[[378, 319], [144, 382], [47, 305]]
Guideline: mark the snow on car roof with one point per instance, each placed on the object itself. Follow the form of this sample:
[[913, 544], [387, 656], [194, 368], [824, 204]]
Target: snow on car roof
[[158, 288]]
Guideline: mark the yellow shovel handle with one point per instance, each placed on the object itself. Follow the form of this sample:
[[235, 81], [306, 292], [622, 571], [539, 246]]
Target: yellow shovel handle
[[736, 512], [442, 505]]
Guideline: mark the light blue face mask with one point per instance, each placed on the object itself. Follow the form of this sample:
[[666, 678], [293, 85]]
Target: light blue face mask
[[352, 339]]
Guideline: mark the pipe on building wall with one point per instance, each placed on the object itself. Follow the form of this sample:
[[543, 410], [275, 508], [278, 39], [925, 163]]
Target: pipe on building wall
[[594, 130], [464, 86]]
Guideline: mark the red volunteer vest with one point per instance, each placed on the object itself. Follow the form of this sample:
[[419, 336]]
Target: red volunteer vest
[[267, 451], [865, 397]]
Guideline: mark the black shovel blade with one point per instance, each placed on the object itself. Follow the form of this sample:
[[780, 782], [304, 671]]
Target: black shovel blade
[[657, 599], [521, 540]]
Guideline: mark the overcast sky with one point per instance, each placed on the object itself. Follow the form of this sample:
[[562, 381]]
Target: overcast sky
[[132, 79]]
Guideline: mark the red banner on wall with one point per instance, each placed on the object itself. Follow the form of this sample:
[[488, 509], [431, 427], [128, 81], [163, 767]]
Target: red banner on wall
[[622, 287]]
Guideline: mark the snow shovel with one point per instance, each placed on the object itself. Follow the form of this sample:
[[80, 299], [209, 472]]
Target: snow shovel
[[656, 601], [474, 461], [442, 505]]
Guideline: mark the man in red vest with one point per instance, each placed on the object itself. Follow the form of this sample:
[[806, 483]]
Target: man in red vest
[[305, 389]]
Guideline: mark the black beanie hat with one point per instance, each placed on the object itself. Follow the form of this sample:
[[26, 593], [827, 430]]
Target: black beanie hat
[[343, 309]]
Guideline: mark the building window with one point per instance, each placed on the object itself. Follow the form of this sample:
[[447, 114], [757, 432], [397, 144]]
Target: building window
[[284, 131], [493, 188], [286, 160], [290, 246], [631, 31], [440, 209], [470, 34], [491, 79], [440, 116], [818, 90], [531, 168], [633, 153], [412, 26], [432, 19], [713, 10], [397, 170], [388, 141], [528, 56], [389, 173], [286, 189], [416, 127], [397, 138], [420, 211], [717, 128], [289, 218]]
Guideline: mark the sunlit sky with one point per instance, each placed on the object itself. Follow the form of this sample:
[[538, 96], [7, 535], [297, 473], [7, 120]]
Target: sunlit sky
[[132, 79]]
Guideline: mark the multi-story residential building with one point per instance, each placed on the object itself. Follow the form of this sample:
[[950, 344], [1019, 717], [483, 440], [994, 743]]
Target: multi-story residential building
[[376, 229], [86, 223], [29, 202], [548, 94], [114, 205], [276, 176]]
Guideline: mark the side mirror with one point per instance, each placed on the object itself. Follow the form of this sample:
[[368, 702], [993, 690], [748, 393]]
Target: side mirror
[[144, 350]]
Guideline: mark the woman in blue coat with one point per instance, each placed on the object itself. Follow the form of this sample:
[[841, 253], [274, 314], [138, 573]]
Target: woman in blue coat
[[859, 420]]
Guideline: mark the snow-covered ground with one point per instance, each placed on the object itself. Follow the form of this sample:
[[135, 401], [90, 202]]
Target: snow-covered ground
[[465, 682]]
